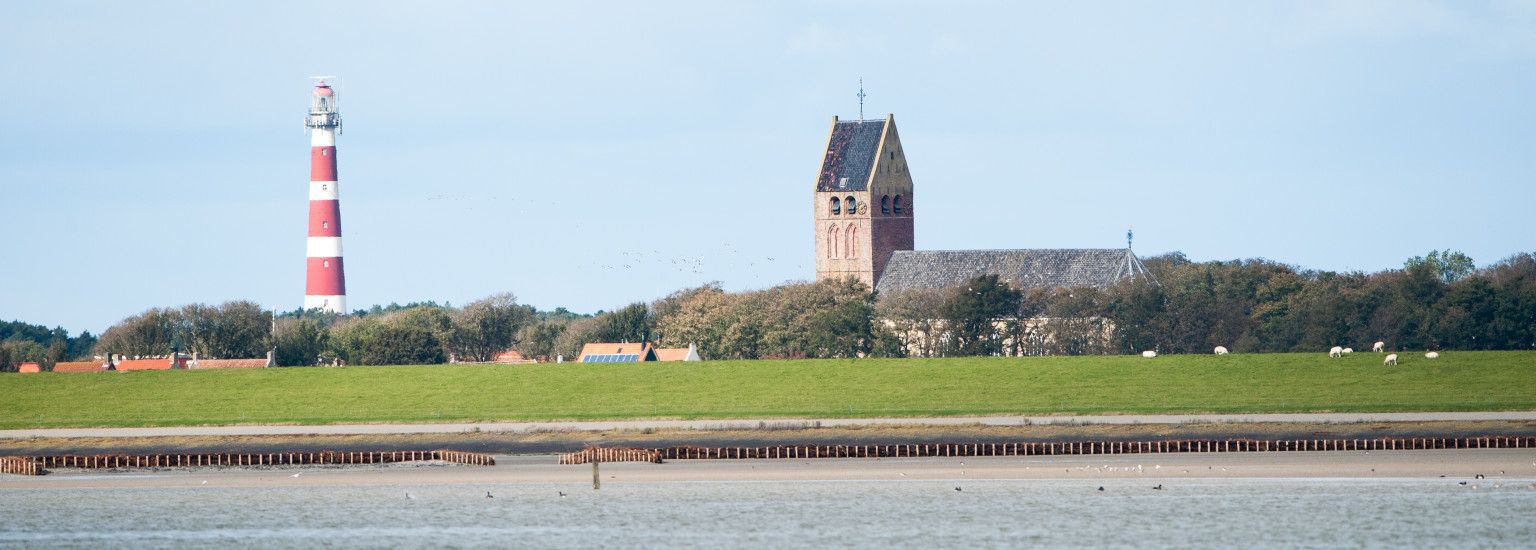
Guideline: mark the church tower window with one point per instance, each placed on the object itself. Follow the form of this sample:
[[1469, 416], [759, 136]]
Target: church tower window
[[851, 203], [837, 206], [897, 205], [833, 242], [853, 242], [885, 205]]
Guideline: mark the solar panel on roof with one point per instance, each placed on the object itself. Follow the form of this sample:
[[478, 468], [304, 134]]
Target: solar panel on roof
[[611, 358]]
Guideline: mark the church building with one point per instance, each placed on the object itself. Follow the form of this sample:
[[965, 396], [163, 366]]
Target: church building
[[863, 208]]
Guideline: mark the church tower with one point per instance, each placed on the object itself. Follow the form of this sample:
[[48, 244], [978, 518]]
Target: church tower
[[863, 200]]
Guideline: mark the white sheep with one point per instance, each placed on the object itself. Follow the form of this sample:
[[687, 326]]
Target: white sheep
[[1379, 347], [1336, 351], [1391, 359], [1432, 355], [1221, 350], [1149, 354]]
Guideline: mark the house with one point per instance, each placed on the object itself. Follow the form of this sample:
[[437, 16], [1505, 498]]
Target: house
[[603, 352], [121, 363], [228, 364], [690, 353], [511, 357], [150, 363], [79, 366]]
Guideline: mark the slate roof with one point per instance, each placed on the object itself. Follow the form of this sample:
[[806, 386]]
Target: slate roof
[[851, 153], [1024, 269]]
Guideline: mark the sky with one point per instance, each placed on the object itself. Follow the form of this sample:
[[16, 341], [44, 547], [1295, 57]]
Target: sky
[[592, 154]]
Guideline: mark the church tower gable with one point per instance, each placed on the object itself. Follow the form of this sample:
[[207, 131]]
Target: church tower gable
[[863, 200]]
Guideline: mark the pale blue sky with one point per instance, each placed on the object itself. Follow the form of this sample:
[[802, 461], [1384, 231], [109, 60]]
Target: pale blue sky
[[151, 153]]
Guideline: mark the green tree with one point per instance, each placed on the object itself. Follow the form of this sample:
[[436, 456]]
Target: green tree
[[153, 332], [299, 342], [1447, 265], [58, 350], [487, 326], [538, 340], [972, 311], [399, 344]]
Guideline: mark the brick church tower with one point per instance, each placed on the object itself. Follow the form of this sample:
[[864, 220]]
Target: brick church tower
[[863, 204]]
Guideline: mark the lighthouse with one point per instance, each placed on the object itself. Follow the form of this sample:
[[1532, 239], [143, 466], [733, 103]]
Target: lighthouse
[[325, 286]]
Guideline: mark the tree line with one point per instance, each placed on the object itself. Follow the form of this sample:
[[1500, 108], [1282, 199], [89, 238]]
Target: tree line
[[1437, 301], [27, 343]]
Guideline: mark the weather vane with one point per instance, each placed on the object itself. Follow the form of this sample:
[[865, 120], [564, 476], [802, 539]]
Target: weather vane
[[862, 95], [1128, 235]]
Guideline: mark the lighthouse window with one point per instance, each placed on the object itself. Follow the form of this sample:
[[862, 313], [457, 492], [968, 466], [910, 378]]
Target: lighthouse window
[[325, 225], [325, 263]]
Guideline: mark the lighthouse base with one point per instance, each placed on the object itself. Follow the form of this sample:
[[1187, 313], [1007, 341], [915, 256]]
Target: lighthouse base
[[333, 304]]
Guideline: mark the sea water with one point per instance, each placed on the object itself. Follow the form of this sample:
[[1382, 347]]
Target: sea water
[[1209, 513]]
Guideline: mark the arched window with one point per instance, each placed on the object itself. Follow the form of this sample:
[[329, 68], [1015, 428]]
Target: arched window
[[833, 242], [885, 205], [837, 206], [853, 243], [897, 204], [851, 204]]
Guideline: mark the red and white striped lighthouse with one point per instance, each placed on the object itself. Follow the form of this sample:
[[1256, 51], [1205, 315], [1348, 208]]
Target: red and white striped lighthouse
[[325, 286]]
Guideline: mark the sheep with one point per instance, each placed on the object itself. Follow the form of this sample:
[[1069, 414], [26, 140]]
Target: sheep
[[1432, 355], [1336, 352], [1391, 359], [1348, 351], [1379, 347], [1149, 354], [1221, 350]]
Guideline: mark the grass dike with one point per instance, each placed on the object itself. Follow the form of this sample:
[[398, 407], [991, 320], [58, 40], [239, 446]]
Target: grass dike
[[823, 388]]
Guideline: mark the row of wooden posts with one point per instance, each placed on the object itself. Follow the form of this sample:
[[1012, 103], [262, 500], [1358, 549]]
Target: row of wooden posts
[[611, 454], [20, 466], [1045, 448], [37, 465]]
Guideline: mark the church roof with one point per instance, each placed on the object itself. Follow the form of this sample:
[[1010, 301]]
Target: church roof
[[851, 154], [1024, 269]]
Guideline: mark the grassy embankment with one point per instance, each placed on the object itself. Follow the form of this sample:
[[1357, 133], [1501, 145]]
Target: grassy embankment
[[1459, 381]]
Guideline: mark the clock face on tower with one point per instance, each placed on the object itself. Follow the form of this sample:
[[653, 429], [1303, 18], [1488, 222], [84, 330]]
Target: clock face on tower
[[863, 208]]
